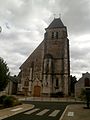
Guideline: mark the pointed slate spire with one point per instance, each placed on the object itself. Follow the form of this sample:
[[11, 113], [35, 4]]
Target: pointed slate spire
[[56, 23]]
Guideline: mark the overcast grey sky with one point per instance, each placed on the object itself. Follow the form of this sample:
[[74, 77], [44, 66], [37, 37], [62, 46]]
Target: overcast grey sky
[[23, 25]]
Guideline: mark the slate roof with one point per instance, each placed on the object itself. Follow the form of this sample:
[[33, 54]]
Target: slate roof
[[13, 79], [56, 23]]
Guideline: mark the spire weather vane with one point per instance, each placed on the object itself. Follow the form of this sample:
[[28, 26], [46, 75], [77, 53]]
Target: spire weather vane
[[55, 15], [59, 15]]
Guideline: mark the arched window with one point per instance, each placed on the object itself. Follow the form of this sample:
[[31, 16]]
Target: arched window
[[87, 82], [26, 83], [57, 83], [52, 35], [55, 35]]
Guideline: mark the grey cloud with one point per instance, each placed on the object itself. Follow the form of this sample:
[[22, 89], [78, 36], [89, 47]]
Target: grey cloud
[[79, 53], [74, 13], [27, 20], [77, 16]]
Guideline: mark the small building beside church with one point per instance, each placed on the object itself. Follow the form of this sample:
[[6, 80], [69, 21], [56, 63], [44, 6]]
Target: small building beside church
[[47, 70], [11, 88], [83, 83]]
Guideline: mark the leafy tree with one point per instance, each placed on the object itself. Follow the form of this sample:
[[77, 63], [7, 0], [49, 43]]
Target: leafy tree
[[4, 74], [73, 80]]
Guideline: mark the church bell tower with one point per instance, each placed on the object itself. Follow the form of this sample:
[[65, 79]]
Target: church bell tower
[[56, 65]]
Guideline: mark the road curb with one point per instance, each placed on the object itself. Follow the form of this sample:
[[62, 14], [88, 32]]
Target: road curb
[[17, 112], [64, 113]]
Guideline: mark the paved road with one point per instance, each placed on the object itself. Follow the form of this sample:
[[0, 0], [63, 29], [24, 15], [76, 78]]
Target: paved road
[[42, 111]]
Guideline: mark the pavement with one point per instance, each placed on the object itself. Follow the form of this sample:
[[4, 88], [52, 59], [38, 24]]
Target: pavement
[[7, 112], [72, 112], [48, 99], [76, 112]]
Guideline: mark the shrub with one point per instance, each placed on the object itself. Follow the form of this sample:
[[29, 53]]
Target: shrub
[[58, 94], [2, 98], [10, 101]]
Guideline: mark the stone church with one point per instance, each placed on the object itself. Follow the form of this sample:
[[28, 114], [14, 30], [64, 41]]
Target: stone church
[[47, 70]]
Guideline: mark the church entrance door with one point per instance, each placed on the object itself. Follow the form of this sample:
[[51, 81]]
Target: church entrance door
[[37, 90]]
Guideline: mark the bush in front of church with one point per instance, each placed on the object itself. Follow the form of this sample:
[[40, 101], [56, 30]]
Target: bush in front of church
[[9, 101], [2, 98], [58, 94]]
